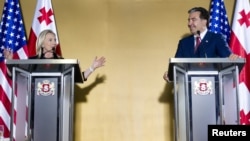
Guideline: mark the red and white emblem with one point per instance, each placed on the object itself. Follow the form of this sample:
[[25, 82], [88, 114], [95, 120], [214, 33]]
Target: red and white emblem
[[203, 87], [45, 88]]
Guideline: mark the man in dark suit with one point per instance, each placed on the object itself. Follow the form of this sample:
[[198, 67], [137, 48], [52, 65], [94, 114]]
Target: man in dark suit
[[200, 44], [211, 44]]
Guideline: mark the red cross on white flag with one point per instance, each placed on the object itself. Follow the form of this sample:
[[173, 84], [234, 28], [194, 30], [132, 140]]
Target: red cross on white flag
[[240, 44], [44, 18]]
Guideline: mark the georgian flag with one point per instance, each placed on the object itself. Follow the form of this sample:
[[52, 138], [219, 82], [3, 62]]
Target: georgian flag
[[43, 19], [240, 44]]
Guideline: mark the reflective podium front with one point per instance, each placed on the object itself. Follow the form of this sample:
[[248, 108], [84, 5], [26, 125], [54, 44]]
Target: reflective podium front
[[206, 93], [43, 99]]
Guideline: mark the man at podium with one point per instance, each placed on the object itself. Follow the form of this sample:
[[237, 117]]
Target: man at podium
[[198, 90], [211, 45]]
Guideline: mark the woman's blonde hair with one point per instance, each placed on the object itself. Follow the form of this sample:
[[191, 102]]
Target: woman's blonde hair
[[40, 40]]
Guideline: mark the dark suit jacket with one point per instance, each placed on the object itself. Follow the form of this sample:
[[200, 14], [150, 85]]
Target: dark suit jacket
[[212, 45]]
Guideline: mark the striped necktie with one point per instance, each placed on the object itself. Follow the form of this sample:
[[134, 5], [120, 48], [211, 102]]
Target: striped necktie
[[197, 43]]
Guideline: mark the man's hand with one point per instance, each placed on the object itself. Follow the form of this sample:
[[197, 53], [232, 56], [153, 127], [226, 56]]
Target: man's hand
[[233, 56], [165, 77]]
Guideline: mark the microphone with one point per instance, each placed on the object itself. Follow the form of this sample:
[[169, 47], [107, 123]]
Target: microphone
[[53, 51], [199, 32]]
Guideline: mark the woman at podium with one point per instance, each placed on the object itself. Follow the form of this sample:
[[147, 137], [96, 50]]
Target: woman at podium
[[46, 46]]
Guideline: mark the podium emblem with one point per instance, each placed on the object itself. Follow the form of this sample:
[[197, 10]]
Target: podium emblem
[[45, 88], [203, 87]]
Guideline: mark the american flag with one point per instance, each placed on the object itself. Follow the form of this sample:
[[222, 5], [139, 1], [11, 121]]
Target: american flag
[[13, 38], [218, 19]]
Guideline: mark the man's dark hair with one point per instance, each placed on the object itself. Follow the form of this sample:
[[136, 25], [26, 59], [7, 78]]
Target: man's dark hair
[[204, 14]]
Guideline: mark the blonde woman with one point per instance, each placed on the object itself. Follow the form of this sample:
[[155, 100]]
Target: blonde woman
[[46, 46]]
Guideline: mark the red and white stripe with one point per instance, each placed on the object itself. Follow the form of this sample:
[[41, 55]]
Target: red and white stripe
[[5, 101], [6, 93]]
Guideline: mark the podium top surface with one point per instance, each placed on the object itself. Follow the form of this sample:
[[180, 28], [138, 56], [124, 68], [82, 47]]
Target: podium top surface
[[56, 65], [219, 62], [42, 61], [208, 64], [207, 60]]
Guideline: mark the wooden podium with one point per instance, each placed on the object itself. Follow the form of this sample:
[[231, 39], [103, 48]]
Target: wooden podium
[[205, 93], [43, 99]]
